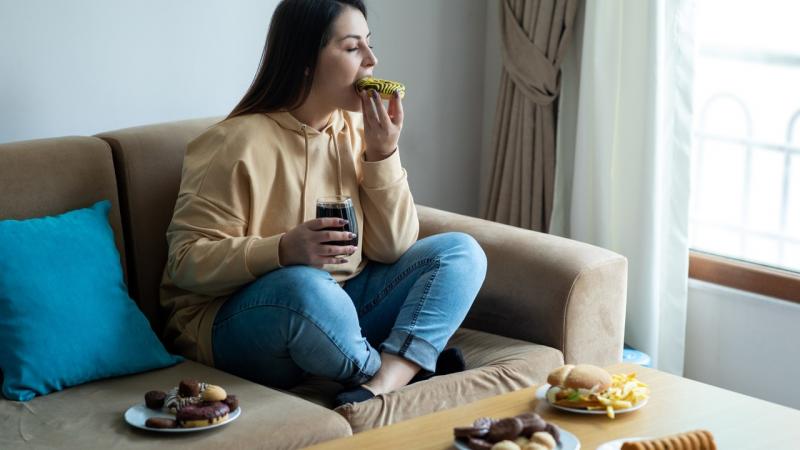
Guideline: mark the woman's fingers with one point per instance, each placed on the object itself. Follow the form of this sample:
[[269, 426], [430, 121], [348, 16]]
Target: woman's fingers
[[383, 116], [396, 109], [368, 108]]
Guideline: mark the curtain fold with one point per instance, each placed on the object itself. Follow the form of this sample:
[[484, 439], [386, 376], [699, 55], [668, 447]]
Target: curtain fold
[[535, 35], [625, 130]]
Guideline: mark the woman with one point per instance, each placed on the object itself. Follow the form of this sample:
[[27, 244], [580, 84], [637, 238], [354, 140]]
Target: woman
[[251, 286]]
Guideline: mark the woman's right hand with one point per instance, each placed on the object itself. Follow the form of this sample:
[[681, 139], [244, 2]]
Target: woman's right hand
[[303, 244]]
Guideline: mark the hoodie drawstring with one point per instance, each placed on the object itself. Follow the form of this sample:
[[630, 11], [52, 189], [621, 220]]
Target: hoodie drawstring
[[305, 178], [338, 162]]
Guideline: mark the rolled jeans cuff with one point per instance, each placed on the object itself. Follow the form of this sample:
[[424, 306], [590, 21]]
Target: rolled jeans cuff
[[410, 347], [371, 367]]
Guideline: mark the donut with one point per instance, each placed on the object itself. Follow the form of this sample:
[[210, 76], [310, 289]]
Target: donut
[[175, 401], [207, 413], [155, 399], [384, 88]]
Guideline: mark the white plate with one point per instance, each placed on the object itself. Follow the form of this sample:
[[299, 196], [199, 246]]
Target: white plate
[[541, 394], [137, 415], [568, 442], [617, 444]]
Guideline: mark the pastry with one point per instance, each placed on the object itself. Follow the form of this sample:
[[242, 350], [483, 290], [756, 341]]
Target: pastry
[[175, 401], [544, 439], [692, 440], [214, 393], [505, 429], [505, 445], [161, 422], [531, 423], [189, 388], [155, 399], [231, 401], [384, 88], [207, 413]]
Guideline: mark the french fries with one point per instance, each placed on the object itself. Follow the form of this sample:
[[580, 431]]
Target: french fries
[[625, 392]]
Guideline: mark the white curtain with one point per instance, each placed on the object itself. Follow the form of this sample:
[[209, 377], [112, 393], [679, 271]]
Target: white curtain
[[622, 164]]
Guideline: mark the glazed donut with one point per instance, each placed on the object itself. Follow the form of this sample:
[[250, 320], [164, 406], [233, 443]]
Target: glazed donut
[[208, 413], [385, 88]]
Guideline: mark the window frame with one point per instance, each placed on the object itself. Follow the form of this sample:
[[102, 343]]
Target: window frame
[[745, 276]]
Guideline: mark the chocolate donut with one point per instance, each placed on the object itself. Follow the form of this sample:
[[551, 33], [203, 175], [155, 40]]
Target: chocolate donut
[[468, 432], [155, 399], [204, 414], [479, 444], [554, 431]]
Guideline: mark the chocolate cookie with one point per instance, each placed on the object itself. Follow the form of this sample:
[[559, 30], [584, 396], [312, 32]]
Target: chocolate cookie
[[155, 399], [160, 422], [468, 432], [505, 429], [554, 431], [231, 401], [207, 413], [479, 444], [531, 423], [189, 388], [483, 422]]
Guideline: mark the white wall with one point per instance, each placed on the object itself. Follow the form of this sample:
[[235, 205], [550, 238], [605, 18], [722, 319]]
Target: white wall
[[743, 342], [436, 48], [86, 66]]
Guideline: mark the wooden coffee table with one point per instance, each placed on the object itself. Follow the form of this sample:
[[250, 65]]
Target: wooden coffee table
[[676, 404]]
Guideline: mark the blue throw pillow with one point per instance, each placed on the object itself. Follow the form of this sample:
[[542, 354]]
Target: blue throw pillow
[[65, 314]]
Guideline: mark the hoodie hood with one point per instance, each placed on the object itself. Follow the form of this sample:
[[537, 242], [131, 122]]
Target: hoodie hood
[[332, 128]]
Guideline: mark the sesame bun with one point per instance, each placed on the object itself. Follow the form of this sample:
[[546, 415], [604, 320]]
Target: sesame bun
[[581, 376]]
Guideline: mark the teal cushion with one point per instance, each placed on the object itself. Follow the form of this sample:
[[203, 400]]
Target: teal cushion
[[65, 314]]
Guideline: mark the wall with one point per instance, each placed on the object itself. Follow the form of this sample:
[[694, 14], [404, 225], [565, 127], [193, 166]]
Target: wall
[[436, 48], [743, 342], [86, 66]]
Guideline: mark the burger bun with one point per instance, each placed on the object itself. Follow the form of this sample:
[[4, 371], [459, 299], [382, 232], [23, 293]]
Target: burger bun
[[580, 376]]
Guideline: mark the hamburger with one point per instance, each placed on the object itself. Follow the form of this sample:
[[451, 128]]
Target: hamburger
[[577, 386]]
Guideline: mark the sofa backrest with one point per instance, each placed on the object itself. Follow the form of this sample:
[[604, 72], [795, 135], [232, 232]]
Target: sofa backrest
[[51, 176], [148, 162]]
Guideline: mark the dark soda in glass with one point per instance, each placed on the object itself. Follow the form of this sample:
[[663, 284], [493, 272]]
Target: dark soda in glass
[[340, 206]]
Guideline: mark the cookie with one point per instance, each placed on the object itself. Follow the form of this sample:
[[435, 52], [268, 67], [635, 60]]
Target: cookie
[[155, 399], [468, 432], [479, 444], [545, 439], [214, 393], [231, 401], [505, 429], [161, 422], [531, 423]]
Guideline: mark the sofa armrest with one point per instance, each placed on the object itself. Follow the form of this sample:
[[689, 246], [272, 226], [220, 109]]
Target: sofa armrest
[[544, 289]]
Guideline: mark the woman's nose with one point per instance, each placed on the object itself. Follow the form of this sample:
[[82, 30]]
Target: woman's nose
[[371, 59]]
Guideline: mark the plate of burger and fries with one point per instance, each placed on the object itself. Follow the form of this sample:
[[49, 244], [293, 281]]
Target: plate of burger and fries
[[588, 389]]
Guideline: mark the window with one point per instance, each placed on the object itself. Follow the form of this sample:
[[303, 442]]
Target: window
[[745, 198]]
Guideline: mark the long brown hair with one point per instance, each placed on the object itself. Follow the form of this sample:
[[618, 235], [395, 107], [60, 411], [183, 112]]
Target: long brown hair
[[298, 31]]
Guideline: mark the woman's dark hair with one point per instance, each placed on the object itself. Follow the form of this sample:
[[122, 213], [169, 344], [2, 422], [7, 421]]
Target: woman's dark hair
[[298, 31]]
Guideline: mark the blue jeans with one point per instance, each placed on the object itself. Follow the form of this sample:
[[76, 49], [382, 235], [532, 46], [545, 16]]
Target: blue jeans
[[298, 321]]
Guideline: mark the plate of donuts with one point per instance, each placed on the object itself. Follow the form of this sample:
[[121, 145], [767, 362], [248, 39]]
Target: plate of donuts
[[190, 406], [138, 416]]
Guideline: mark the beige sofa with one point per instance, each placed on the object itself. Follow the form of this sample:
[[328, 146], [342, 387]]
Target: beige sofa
[[546, 300]]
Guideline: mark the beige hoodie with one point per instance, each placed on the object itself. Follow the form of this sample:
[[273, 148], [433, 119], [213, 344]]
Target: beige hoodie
[[248, 180]]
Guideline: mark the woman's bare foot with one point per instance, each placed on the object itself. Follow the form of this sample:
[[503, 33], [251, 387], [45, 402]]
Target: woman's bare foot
[[395, 372]]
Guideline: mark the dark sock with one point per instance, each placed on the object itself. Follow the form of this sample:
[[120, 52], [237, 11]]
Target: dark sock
[[451, 360], [355, 395]]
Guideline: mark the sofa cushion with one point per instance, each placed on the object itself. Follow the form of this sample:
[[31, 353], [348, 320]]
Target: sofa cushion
[[50, 176], [91, 416], [148, 160], [495, 365], [65, 314]]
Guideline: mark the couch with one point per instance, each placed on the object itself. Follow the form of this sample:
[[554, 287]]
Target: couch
[[546, 300]]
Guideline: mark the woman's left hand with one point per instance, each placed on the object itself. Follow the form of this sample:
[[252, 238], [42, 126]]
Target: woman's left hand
[[381, 126]]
